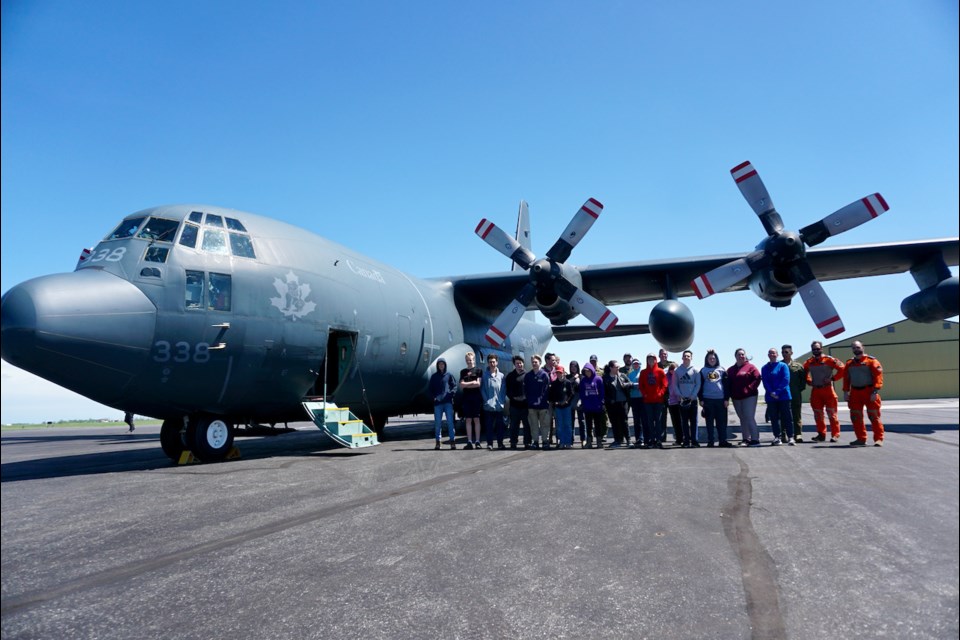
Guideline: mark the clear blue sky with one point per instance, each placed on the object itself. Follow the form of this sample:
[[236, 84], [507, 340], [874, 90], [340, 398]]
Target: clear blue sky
[[394, 127]]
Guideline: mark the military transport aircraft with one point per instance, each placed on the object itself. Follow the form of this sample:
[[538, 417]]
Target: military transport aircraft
[[212, 319]]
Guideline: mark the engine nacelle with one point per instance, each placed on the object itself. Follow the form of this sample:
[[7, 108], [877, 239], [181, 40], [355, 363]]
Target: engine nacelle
[[767, 286], [936, 303], [553, 303], [556, 309], [671, 325]]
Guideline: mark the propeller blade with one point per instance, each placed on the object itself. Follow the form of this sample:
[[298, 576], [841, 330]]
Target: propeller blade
[[821, 309], [509, 317], [852, 215], [504, 243], [756, 195], [593, 310], [578, 227], [720, 278]]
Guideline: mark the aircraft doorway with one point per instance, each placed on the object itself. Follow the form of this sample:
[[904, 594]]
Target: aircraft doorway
[[340, 355]]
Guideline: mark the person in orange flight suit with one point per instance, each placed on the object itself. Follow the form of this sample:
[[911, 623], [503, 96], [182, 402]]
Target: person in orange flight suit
[[821, 372], [862, 381]]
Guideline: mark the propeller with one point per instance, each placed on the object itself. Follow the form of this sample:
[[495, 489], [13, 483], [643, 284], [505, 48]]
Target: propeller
[[549, 276], [784, 252]]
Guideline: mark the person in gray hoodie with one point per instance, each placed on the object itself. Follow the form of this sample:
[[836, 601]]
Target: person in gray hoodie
[[494, 394], [715, 397], [686, 385]]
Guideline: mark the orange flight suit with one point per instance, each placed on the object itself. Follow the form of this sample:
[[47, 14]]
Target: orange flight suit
[[821, 373], [862, 380]]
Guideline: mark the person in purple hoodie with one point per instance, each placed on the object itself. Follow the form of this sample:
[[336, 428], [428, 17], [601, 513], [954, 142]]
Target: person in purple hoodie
[[591, 399]]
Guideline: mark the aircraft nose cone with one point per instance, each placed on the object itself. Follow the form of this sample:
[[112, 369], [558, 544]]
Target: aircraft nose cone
[[88, 331]]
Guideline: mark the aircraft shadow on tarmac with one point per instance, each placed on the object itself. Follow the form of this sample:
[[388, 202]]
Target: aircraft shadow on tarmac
[[301, 445], [298, 444]]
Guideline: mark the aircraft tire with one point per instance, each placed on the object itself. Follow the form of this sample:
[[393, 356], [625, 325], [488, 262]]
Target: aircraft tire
[[379, 424], [171, 440], [210, 437]]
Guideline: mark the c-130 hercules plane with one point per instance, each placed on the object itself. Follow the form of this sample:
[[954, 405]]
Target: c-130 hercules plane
[[211, 318]]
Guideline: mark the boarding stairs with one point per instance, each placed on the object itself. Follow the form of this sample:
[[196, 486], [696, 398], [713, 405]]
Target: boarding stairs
[[340, 424]]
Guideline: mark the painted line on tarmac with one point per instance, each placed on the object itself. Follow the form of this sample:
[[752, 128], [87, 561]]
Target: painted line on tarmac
[[18, 603]]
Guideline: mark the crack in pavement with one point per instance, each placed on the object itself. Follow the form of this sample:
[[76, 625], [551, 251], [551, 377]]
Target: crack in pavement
[[757, 568]]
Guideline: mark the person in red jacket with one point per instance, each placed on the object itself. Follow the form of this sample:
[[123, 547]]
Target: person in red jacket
[[862, 381], [653, 388], [822, 371]]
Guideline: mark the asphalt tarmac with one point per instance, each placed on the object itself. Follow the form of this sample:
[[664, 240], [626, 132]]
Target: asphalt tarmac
[[102, 537]]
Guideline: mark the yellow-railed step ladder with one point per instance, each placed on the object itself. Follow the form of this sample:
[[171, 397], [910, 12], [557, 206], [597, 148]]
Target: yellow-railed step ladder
[[340, 424]]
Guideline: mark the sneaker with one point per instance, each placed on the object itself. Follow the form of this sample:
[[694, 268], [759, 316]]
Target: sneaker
[[437, 448], [489, 447], [710, 444], [500, 446], [469, 446], [791, 442], [695, 443], [453, 445], [754, 443], [513, 447], [726, 444], [820, 437], [798, 439], [878, 443], [615, 445], [776, 442], [477, 445], [858, 443]]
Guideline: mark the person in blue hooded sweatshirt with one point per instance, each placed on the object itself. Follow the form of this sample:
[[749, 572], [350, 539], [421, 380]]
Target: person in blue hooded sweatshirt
[[443, 386]]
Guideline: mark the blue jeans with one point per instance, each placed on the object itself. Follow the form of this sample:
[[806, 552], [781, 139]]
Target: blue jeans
[[716, 418], [641, 431], [781, 419], [563, 417], [494, 423], [651, 425], [438, 411]]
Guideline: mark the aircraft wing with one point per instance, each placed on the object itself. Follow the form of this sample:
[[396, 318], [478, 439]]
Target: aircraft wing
[[627, 282]]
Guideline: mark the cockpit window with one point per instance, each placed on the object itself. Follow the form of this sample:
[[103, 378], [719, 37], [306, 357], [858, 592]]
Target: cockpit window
[[156, 254], [220, 286], [214, 220], [159, 230], [194, 297], [196, 216], [214, 241], [241, 245], [235, 225], [189, 236], [126, 229]]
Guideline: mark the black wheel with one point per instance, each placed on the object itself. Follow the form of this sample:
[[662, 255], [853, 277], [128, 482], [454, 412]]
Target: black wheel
[[210, 438], [171, 438]]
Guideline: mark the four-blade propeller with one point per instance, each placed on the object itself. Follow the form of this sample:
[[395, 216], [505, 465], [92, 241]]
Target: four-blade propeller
[[549, 277], [783, 251]]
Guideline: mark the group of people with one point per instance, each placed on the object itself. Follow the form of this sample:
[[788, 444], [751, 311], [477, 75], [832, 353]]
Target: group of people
[[543, 404]]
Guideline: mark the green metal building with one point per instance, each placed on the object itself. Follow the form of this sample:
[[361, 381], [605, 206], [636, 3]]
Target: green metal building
[[919, 360]]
